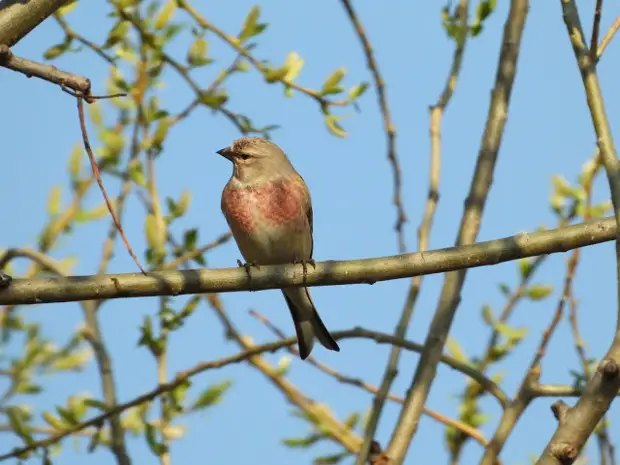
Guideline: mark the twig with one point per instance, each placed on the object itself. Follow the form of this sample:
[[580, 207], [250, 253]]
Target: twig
[[29, 68], [174, 264], [390, 130], [511, 415], [74, 35], [423, 231], [233, 42], [470, 224], [607, 39], [17, 19], [371, 270], [596, 25], [465, 429], [95, 167]]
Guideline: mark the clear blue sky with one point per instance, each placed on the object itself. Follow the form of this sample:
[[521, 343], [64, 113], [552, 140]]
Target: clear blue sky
[[548, 132]]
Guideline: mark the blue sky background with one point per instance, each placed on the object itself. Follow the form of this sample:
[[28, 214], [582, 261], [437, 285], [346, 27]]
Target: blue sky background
[[548, 132]]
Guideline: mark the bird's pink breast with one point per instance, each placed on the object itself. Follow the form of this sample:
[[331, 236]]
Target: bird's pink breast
[[273, 203]]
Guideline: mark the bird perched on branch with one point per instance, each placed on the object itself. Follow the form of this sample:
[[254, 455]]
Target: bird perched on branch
[[267, 206]]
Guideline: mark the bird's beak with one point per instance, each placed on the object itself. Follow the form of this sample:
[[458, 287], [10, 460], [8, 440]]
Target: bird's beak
[[225, 152]]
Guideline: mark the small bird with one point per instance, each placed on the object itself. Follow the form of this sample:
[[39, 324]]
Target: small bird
[[267, 206]]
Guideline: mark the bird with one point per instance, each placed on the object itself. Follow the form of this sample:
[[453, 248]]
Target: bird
[[268, 208]]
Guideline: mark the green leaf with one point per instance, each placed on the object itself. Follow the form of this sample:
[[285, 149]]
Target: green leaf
[[525, 267], [302, 442], [160, 132], [274, 75], [93, 214], [352, 420], [155, 234], [156, 447], [487, 315], [178, 394], [66, 8], [334, 127], [190, 238], [330, 459], [251, 26], [504, 289], [214, 99], [455, 349], [136, 172], [183, 204], [513, 334], [96, 404], [331, 83], [54, 421], [117, 34], [113, 141], [18, 423], [197, 54], [166, 14], [483, 11], [212, 395], [357, 91], [539, 291], [67, 415], [75, 162], [55, 51], [54, 201]]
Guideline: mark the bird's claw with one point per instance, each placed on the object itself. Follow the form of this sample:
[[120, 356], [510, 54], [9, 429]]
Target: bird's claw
[[248, 267], [5, 280], [304, 265]]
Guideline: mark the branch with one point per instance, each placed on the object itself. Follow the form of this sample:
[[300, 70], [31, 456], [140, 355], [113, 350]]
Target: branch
[[577, 424], [468, 231], [79, 84], [436, 115], [357, 382], [183, 376], [390, 130], [369, 271], [18, 18]]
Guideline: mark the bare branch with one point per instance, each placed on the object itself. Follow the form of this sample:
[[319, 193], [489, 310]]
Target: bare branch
[[468, 231], [79, 84], [424, 229], [17, 18], [371, 270]]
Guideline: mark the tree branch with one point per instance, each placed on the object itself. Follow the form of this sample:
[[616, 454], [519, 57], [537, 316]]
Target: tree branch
[[468, 231], [369, 271], [577, 423], [18, 18]]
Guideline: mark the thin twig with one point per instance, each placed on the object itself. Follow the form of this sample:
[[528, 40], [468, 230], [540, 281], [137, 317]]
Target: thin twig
[[390, 130], [611, 33], [596, 25], [458, 425], [95, 167]]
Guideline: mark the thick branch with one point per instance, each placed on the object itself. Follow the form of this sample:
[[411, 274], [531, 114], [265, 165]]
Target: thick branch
[[369, 271], [18, 18]]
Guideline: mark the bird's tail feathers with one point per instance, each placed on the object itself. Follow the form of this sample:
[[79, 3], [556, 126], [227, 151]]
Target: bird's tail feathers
[[308, 323]]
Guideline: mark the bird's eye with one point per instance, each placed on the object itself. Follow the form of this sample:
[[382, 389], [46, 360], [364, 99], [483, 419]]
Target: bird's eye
[[244, 156]]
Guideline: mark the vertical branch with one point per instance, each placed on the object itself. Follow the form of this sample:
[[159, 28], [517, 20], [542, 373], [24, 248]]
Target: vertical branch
[[577, 423], [470, 223], [596, 25], [436, 115], [390, 130]]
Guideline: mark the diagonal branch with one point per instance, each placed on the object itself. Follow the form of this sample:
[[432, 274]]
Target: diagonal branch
[[468, 231], [424, 230], [368, 271], [390, 130], [576, 424]]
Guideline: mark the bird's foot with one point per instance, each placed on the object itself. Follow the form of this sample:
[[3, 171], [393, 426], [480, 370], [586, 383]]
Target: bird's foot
[[304, 264], [248, 267], [5, 280]]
